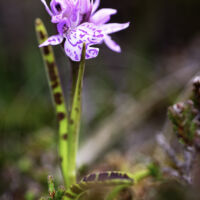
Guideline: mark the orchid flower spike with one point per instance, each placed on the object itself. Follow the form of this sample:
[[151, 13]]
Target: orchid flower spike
[[78, 22]]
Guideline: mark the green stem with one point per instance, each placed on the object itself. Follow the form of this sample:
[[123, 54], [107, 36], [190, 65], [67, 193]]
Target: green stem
[[74, 72], [74, 121], [57, 94]]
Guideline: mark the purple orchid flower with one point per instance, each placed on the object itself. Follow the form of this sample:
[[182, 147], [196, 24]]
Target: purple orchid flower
[[74, 38], [78, 22]]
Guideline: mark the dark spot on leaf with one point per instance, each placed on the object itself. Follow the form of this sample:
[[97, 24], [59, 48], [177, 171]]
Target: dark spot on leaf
[[55, 85], [126, 176], [65, 136], [58, 98], [71, 121], [42, 35], [60, 116], [75, 189], [46, 50], [103, 176], [115, 175], [91, 177], [52, 71]]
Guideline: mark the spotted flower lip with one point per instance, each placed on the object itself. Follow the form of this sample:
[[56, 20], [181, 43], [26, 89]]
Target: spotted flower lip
[[74, 38], [78, 22]]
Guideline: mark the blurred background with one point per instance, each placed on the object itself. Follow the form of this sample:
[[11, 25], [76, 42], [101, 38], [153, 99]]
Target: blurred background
[[125, 95]]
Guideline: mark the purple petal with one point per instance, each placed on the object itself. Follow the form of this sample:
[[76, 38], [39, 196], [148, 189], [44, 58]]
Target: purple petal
[[85, 33], [75, 16], [112, 44], [53, 40], [102, 16], [65, 10], [91, 52], [63, 26], [85, 6], [57, 6], [56, 18], [95, 5], [114, 27], [75, 1], [47, 7]]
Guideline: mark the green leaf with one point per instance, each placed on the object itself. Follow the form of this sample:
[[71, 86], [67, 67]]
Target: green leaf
[[101, 179], [57, 95]]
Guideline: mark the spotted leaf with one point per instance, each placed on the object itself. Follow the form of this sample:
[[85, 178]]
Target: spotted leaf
[[99, 179]]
